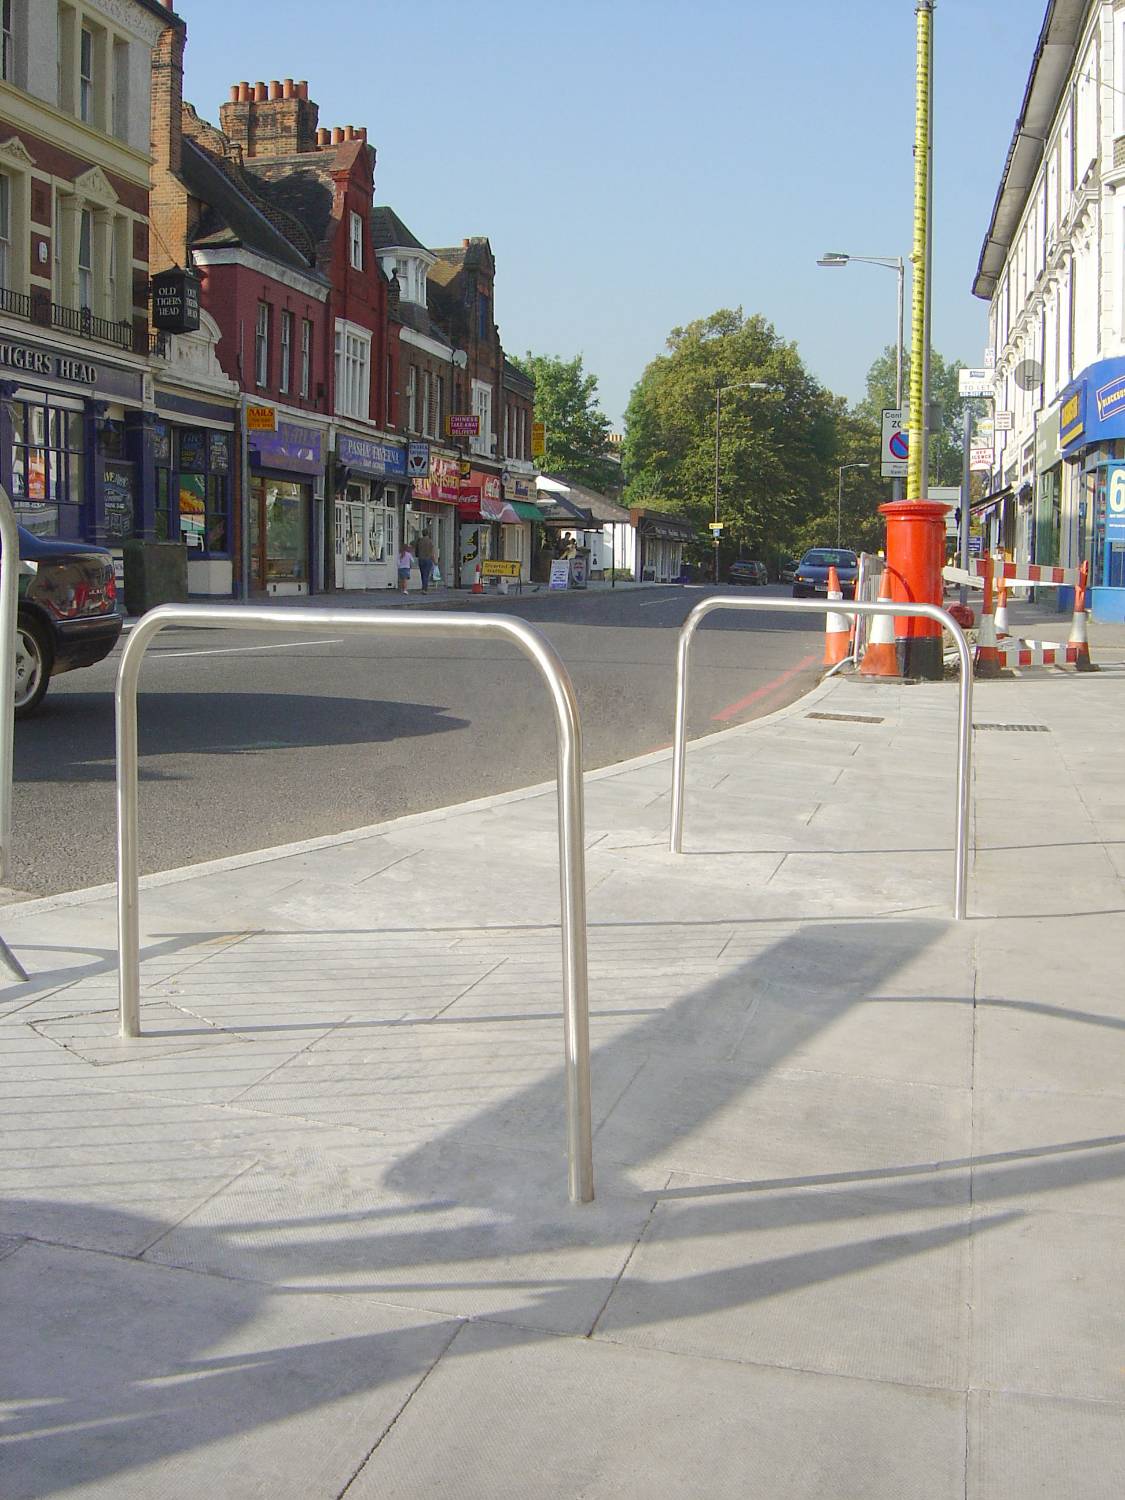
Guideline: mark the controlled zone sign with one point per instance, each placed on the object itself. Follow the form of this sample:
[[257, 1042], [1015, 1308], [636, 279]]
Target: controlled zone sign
[[1115, 503], [895, 450]]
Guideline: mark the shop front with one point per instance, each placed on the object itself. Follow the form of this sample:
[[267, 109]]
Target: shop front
[[489, 526], [286, 479], [371, 481], [1092, 440], [433, 511], [71, 443], [661, 540]]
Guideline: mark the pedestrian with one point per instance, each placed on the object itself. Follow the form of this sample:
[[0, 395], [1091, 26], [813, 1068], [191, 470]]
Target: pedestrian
[[405, 563], [424, 547]]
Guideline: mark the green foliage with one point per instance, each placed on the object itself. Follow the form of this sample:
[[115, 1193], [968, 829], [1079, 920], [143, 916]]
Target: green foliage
[[566, 402], [945, 442], [777, 448]]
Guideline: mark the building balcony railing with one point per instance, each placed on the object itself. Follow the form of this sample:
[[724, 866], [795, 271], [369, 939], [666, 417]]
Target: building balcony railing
[[82, 321], [14, 302]]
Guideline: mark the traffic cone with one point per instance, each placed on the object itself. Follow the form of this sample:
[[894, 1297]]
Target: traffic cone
[[881, 658], [837, 636], [988, 657], [478, 587], [1000, 619], [1078, 638]]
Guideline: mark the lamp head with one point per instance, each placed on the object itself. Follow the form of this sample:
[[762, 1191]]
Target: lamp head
[[833, 258]]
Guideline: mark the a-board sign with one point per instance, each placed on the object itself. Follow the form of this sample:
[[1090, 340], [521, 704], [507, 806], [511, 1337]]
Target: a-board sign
[[560, 573]]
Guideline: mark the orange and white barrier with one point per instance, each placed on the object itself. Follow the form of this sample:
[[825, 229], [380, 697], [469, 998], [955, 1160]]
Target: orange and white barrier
[[1017, 653], [988, 657], [881, 658], [1038, 654], [1001, 615], [837, 630]]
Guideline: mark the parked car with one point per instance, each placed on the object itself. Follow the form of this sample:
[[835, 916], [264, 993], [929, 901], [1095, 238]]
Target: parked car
[[786, 569], [67, 614], [747, 572], [811, 576]]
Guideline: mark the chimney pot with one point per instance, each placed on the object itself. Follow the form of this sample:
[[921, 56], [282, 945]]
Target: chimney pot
[[260, 92], [349, 132], [243, 92], [287, 88], [323, 136], [337, 134], [363, 133], [275, 88], [302, 90], [234, 93], [464, 244]]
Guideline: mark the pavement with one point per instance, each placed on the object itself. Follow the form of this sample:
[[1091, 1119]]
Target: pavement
[[860, 1216]]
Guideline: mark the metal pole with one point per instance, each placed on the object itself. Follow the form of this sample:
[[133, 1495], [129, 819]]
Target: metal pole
[[929, 246], [897, 485], [966, 479], [843, 606], [572, 870], [919, 256], [9, 602], [839, 506], [715, 535]]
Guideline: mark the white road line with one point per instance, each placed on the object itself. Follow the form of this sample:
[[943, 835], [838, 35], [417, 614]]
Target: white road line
[[240, 650]]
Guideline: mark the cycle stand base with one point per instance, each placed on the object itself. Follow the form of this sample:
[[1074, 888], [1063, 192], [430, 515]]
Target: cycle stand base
[[12, 963]]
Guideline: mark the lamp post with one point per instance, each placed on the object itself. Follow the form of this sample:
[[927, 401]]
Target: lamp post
[[840, 495], [895, 263], [734, 385]]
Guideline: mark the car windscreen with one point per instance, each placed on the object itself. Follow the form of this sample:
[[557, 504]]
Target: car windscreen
[[829, 559]]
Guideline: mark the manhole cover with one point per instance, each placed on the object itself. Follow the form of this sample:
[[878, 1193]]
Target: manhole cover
[[847, 718], [1016, 728]]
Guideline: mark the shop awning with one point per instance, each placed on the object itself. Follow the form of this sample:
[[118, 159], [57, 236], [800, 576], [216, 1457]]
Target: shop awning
[[475, 508], [989, 502], [526, 511]]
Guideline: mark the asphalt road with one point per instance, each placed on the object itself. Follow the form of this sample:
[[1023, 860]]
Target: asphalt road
[[249, 741]]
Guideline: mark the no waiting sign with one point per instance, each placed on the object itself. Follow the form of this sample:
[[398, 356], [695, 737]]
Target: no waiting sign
[[896, 444]]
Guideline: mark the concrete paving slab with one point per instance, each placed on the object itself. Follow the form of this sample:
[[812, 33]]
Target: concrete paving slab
[[565, 1417], [1047, 1317], [1050, 1151], [1028, 1445], [230, 1390], [1056, 1044]]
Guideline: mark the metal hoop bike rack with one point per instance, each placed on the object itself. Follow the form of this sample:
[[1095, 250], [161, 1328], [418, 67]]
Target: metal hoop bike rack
[[844, 607], [572, 874]]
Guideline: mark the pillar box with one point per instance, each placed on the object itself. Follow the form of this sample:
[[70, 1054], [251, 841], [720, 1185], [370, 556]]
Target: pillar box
[[915, 555]]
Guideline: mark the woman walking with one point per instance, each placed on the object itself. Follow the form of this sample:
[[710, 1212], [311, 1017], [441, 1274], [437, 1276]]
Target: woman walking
[[405, 563]]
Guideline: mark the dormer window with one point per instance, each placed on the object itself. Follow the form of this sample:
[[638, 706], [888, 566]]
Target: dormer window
[[411, 274]]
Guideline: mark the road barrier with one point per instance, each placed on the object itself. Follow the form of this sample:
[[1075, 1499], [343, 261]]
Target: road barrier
[[857, 607], [9, 609], [572, 874], [991, 655]]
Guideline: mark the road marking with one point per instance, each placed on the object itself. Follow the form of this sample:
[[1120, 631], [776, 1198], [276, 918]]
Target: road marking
[[763, 692], [652, 603], [239, 650]]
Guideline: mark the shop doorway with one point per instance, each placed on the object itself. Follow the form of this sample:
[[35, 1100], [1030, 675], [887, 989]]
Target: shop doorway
[[279, 536]]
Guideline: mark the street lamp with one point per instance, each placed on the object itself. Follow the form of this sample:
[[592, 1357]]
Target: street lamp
[[840, 495], [734, 385], [832, 258]]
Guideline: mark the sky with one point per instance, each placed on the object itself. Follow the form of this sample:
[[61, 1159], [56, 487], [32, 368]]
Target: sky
[[638, 164]]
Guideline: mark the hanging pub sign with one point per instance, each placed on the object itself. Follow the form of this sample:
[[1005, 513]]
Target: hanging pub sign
[[175, 301]]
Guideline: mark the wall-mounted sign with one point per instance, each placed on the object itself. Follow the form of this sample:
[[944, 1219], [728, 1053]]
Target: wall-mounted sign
[[974, 382], [418, 460], [261, 419], [366, 456], [1115, 503], [980, 460], [117, 491], [293, 448], [538, 439], [218, 452], [1003, 421], [462, 424], [46, 362], [175, 301]]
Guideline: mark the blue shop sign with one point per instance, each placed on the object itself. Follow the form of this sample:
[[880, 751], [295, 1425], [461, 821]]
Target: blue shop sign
[[1092, 409], [1115, 503], [369, 457], [296, 449]]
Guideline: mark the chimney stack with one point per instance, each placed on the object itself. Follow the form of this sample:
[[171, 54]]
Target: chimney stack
[[269, 121]]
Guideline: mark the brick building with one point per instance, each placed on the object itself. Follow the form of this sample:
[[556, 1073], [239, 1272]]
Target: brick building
[[74, 260]]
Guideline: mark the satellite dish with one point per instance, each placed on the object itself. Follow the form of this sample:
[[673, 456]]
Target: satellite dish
[[1028, 374]]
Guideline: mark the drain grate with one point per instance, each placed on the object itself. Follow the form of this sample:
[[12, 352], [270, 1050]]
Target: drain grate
[[1016, 728], [847, 718]]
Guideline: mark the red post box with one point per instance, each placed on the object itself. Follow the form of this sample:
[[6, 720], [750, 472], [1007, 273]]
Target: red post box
[[915, 555]]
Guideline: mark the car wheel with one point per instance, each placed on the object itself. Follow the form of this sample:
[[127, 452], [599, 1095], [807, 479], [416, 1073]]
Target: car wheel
[[33, 666]]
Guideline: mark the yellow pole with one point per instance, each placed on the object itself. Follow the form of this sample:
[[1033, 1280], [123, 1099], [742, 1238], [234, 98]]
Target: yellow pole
[[919, 259]]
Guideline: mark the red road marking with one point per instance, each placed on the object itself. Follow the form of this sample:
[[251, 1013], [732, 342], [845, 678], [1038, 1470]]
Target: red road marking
[[733, 709]]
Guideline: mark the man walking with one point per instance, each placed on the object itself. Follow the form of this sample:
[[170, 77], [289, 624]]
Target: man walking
[[424, 551]]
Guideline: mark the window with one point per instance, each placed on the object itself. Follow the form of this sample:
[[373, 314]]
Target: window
[[286, 351], [7, 43], [353, 375], [427, 392], [411, 399], [119, 95], [85, 260], [357, 242], [262, 345], [86, 76], [48, 462], [306, 357], [112, 274], [439, 412], [5, 233], [482, 406]]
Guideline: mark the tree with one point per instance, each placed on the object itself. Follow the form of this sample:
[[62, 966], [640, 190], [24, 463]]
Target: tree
[[566, 402], [777, 446], [945, 441]]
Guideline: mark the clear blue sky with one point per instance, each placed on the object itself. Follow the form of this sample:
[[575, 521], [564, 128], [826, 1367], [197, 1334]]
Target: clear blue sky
[[637, 164]]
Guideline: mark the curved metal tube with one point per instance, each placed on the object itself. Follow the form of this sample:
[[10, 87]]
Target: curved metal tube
[[841, 606], [572, 859], [9, 610]]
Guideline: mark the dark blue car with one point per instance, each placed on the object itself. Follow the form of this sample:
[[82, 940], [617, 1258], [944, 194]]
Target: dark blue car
[[811, 577]]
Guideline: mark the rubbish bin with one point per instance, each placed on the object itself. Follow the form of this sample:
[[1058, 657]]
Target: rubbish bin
[[155, 573]]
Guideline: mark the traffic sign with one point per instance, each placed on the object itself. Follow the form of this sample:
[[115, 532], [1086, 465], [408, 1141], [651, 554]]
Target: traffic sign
[[716, 527], [896, 443]]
